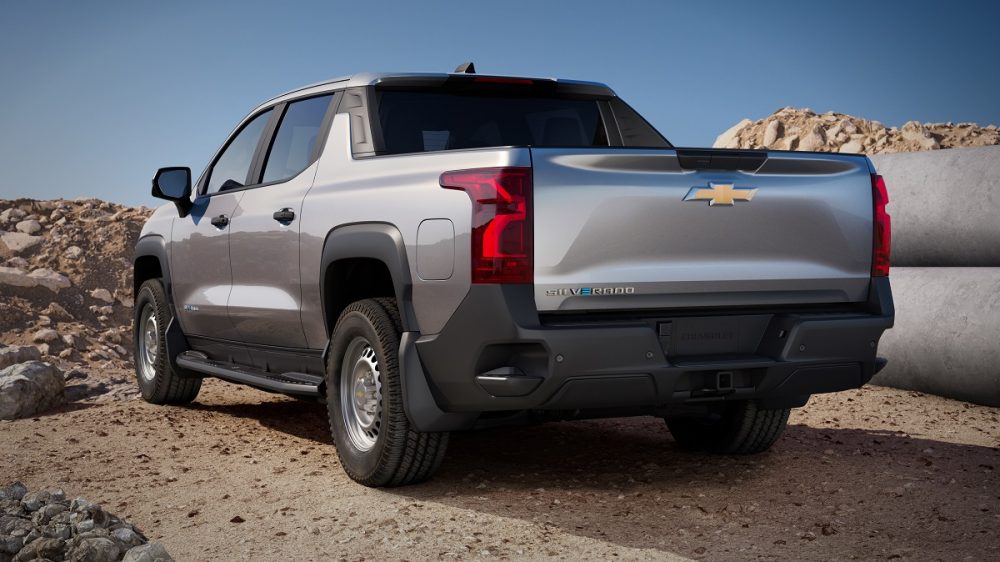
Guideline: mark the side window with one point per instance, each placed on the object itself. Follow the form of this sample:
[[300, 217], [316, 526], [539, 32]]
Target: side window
[[292, 149], [233, 165]]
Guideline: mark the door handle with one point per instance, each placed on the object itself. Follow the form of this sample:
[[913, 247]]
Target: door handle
[[285, 215], [220, 221]]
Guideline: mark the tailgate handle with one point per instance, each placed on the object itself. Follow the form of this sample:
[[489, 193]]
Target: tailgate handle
[[711, 159]]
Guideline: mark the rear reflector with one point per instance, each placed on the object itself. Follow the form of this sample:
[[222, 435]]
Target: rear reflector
[[882, 229], [501, 222]]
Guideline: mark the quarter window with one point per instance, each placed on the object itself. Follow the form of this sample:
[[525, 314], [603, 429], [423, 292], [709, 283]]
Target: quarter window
[[233, 165], [292, 149]]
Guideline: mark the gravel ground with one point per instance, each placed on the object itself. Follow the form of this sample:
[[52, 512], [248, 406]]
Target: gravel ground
[[869, 474]]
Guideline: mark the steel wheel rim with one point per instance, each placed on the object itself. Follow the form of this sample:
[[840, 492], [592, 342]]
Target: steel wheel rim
[[361, 394], [149, 343]]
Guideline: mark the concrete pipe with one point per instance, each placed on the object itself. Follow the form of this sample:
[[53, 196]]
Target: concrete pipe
[[945, 206], [946, 340]]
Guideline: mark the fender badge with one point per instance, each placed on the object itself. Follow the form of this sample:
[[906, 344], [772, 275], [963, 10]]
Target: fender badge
[[720, 194]]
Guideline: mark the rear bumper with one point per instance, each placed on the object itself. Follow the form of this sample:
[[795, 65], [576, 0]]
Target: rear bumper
[[496, 355]]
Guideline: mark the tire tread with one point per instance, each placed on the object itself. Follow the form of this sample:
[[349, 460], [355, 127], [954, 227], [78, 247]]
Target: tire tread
[[168, 387], [408, 457], [743, 429]]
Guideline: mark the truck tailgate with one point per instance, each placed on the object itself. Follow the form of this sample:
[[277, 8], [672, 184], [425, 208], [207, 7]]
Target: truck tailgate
[[632, 229]]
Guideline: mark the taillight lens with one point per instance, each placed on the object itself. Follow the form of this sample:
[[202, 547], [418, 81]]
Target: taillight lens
[[883, 229], [501, 222]]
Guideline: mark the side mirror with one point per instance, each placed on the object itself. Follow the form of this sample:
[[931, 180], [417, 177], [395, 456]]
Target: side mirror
[[174, 184]]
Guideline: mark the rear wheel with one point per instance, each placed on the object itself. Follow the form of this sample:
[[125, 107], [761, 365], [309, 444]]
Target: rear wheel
[[374, 440], [738, 428], [158, 381]]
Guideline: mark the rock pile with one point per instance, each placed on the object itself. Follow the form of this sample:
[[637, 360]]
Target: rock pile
[[45, 525], [65, 284], [802, 129]]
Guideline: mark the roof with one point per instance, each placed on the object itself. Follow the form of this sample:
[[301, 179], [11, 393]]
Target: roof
[[375, 78]]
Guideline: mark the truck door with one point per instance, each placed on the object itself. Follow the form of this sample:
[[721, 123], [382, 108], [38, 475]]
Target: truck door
[[266, 297], [199, 253]]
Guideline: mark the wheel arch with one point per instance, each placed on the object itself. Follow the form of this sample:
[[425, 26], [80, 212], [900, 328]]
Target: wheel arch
[[365, 260], [149, 262]]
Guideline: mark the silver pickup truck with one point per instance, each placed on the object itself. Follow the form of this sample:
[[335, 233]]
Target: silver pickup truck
[[428, 253]]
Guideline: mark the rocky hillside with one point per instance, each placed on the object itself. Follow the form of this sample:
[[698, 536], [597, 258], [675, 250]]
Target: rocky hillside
[[802, 129], [65, 280]]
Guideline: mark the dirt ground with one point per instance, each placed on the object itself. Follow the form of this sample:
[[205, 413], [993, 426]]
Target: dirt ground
[[240, 474]]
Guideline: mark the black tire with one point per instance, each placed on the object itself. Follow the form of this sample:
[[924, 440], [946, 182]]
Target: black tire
[[161, 384], [739, 428], [399, 456]]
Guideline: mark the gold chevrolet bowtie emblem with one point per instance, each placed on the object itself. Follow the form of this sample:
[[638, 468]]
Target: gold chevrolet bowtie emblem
[[719, 194]]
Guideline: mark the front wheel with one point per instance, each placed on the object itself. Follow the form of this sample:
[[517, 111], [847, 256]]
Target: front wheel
[[158, 381], [374, 440], [737, 428]]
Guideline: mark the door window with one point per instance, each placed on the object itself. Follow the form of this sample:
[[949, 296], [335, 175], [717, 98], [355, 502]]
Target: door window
[[292, 149], [233, 165]]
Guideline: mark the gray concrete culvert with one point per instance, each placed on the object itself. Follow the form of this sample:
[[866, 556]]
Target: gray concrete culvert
[[947, 335], [945, 206]]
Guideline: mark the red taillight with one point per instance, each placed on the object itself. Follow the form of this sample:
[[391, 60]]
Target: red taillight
[[501, 222], [882, 228]]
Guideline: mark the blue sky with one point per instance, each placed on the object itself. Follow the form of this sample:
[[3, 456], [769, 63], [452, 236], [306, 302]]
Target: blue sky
[[97, 95]]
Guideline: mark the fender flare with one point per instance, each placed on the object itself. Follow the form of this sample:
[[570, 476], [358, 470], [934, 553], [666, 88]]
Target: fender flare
[[384, 242], [373, 240], [153, 245]]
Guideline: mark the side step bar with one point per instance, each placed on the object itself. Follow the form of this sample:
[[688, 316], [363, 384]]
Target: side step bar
[[299, 384]]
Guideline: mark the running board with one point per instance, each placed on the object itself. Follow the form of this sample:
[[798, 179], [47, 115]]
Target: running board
[[299, 384]]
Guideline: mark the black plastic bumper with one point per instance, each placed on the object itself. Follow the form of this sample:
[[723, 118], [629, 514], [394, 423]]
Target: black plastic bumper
[[495, 354]]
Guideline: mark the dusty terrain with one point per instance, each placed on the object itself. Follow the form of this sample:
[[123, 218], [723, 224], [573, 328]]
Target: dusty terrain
[[790, 128], [240, 474]]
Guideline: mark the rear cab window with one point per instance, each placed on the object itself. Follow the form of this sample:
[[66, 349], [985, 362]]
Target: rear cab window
[[429, 119]]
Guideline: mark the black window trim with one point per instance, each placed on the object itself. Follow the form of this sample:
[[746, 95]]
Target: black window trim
[[267, 139], [611, 128]]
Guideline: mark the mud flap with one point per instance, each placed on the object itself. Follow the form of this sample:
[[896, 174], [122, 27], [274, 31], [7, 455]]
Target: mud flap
[[421, 408], [176, 344]]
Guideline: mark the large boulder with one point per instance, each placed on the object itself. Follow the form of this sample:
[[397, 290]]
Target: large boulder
[[28, 226], [149, 552], [17, 242], [38, 278], [13, 354], [730, 138], [27, 389]]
